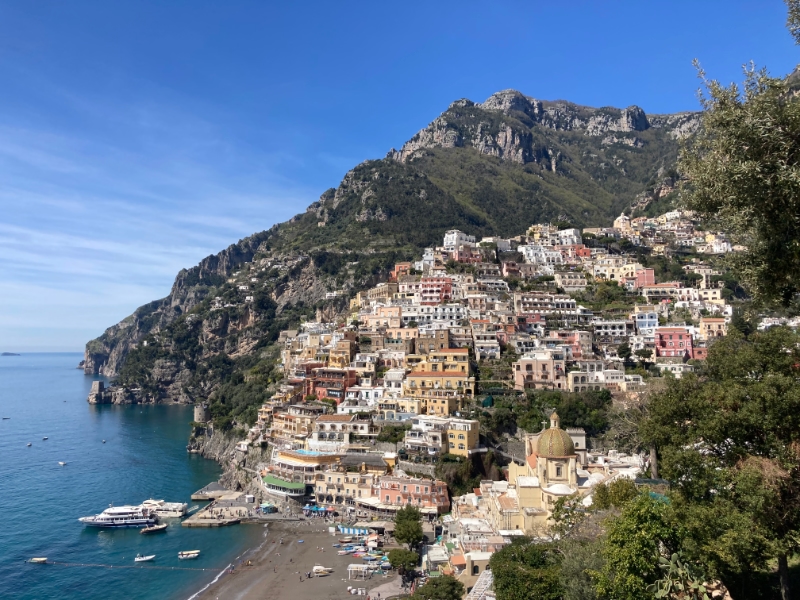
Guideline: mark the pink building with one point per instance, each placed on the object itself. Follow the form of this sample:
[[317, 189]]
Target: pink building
[[644, 277], [435, 290], [429, 495], [674, 342]]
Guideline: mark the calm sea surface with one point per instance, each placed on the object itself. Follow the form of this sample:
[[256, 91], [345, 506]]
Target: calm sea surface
[[144, 456]]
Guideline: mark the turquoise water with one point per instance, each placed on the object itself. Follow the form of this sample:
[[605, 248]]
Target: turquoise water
[[144, 456]]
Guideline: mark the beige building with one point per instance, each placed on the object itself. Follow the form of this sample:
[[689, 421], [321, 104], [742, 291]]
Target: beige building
[[540, 369], [712, 327]]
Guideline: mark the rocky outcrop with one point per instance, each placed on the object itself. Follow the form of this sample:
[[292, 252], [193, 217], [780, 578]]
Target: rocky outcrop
[[117, 395], [239, 468], [511, 137]]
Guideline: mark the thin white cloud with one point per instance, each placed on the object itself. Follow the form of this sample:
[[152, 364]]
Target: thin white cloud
[[97, 220]]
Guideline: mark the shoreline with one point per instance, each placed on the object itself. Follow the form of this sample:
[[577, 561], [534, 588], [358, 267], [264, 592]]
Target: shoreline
[[280, 570]]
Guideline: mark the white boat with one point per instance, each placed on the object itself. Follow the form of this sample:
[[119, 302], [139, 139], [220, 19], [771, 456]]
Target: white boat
[[44, 438], [63, 464], [166, 509], [39, 561], [321, 571], [29, 444], [104, 441], [140, 558], [122, 516], [153, 529], [187, 554]]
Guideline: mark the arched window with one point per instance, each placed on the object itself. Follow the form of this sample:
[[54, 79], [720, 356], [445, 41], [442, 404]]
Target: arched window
[[475, 569]]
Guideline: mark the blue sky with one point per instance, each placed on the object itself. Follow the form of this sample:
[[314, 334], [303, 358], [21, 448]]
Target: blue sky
[[137, 137]]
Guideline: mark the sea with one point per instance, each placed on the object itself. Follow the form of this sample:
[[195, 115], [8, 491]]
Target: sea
[[144, 456]]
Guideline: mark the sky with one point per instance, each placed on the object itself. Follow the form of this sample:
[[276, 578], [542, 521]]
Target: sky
[[137, 137]]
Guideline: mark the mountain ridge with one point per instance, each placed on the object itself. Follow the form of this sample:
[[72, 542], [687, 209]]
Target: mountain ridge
[[490, 168]]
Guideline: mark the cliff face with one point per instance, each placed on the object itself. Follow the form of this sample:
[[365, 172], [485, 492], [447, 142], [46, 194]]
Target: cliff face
[[239, 469], [490, 169], [105, 355], [509, 126]]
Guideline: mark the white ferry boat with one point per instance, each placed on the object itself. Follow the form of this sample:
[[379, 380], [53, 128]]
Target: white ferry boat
[[166, 509], [122, 516]]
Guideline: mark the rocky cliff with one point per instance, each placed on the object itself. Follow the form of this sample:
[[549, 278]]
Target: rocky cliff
[[507, 123]]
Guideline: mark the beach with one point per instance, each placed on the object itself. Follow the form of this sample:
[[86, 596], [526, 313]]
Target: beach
[[279, 570]]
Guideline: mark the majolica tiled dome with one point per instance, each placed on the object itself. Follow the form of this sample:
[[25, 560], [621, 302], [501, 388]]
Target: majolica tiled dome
[[555, 442]]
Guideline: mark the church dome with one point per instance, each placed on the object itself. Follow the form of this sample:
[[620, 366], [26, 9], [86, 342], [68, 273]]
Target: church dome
[[555, 442]]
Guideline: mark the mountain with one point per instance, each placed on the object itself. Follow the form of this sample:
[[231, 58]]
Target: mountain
[[489, 169]]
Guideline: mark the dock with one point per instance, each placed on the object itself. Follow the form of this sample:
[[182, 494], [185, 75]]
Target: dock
[[210, 492], [229, 508]]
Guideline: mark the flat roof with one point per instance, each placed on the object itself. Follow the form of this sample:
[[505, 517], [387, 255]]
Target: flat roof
[[288, 485]]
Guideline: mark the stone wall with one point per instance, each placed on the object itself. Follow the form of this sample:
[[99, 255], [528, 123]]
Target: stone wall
[[410, 467]]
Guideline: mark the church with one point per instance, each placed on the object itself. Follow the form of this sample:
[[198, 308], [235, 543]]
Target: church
[[554, 468]]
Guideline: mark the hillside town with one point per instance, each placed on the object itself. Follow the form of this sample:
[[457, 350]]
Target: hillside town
[[372, 400]]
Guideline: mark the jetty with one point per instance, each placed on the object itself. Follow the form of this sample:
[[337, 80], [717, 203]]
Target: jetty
[[210, 492], [228, 508]]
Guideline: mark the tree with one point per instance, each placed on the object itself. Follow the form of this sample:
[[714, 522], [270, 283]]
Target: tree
[[440, 588], [624, 351], [644, 354], [526, 569], [403, 560], [742, 171], [730, 442], [636, 538], [617, 493], [408, 526]]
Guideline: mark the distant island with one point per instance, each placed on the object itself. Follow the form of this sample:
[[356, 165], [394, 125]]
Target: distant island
[[10, 354]]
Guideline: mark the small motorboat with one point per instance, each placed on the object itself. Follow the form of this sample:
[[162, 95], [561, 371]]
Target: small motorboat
[[104, 441], [345, 540], [44, 438], [6, 418], [140, 558], [187, 554], [154, 528], [63, 464], [29, 444], [39, 560]]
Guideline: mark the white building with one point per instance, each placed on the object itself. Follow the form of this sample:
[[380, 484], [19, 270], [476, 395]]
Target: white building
[[455, 238]]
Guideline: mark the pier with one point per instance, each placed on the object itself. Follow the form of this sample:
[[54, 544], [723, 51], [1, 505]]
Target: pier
[[210, 492]]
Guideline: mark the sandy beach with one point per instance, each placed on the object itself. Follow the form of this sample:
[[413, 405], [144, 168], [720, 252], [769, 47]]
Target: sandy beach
[[279, 570]]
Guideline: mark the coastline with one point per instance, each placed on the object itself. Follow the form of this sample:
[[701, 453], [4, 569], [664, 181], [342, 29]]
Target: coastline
[[279, 570]]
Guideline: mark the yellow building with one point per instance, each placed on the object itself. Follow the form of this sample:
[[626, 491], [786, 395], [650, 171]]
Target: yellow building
[[462, 436], [441, 393], [452, 360]]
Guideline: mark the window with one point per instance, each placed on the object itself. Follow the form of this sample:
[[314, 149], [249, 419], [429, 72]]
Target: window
[[558, 471], [461, 436], [451, 436]]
